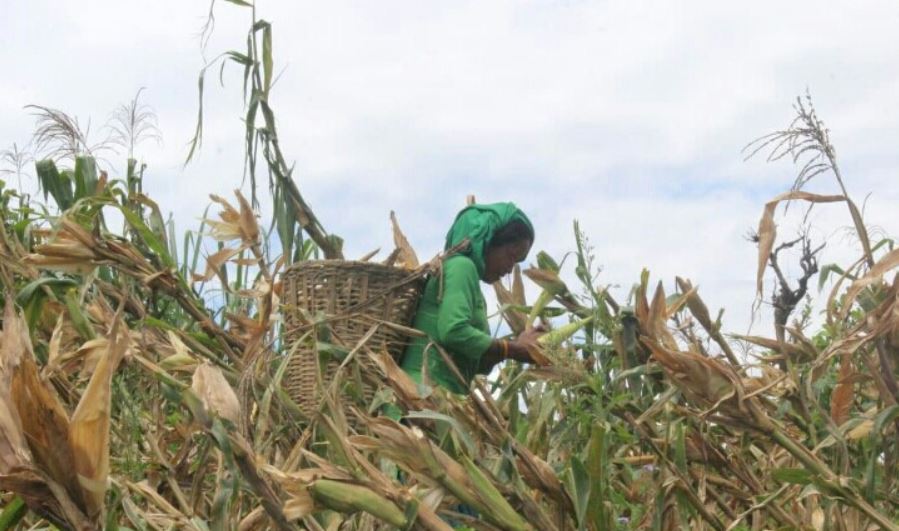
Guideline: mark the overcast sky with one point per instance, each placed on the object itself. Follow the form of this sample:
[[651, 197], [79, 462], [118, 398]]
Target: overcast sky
[[629, 116]]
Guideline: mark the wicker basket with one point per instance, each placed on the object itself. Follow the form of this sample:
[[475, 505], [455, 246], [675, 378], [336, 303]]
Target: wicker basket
[[346, 292]]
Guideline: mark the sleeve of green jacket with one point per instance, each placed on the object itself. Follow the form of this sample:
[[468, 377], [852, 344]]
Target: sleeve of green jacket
[[461, 300]]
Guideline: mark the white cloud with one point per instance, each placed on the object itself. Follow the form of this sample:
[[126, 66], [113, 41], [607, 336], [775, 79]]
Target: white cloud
[[627, 115]]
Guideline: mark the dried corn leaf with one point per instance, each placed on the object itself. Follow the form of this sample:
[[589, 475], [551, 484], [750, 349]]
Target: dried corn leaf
[[299, 501], [679, 302], [788, 349], [516, 320], [695, 304], [214, 264], [768, 231], [398, 379], [64, 264], [210, 385], [843, 396], [46, 498], [407, 257], [518, 287], [229, 228], [89, 431], [704, 381], [182, 359], [249, 228], [657, 318], [14, 452], [874, 276], [53, 349], [44, 421], [90, 353]]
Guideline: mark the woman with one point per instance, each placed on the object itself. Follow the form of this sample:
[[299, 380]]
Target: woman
[[452, 311]]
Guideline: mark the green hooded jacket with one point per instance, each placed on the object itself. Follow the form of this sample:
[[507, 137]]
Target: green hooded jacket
[[453, 313]]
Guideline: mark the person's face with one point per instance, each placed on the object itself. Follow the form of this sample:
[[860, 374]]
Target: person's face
[[500, 260]]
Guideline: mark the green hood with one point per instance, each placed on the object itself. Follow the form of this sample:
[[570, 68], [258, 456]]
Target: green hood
[[478, 223]]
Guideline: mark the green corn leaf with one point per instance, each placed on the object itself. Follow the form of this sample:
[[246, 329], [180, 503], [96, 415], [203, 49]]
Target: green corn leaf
[[239, 58], [197, 139], [886, 416], [267, 63], [577, 482], [796, 476], [35, 288], [76, 313], [55, 183], [148, 236], [825, 273], [596, 465], [14, 511], [172, 240], [452, 422], [85, 177]]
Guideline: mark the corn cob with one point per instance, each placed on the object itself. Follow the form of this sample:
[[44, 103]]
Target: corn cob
[[554, 338], [347, 497]]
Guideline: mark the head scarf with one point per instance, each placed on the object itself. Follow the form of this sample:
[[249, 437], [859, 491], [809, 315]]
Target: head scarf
[[478, 223]]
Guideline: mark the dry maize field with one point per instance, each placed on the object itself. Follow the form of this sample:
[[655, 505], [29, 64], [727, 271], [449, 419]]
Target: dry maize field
[[144, 375]]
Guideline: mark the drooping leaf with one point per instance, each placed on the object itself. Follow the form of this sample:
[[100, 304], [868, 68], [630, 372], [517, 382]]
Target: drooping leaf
[[767, 230]]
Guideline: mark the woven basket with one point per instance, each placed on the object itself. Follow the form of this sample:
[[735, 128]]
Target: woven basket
[[346, 293]]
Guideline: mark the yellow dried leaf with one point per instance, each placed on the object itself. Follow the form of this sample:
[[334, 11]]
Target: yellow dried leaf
[[704, 381], [235, 224], [229, 214], [223, 231], [89, 433], [517, 320], [89, 353], [695, 304], [842, 397], [299, 501], [14, 451], [861, 431], [53, 350], [64, 264], [213, 389], [399, 379], [177, 345], [44, 421], [517, 287], [214, 263], [248, 226], [768, 230], [785, 348], [889, 261], [818, 519], [407, 257]]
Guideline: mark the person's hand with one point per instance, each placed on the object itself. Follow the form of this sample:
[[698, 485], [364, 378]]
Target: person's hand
[[525, 347]]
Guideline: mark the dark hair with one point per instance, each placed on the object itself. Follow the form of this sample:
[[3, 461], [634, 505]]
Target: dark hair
[[512, 232]]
